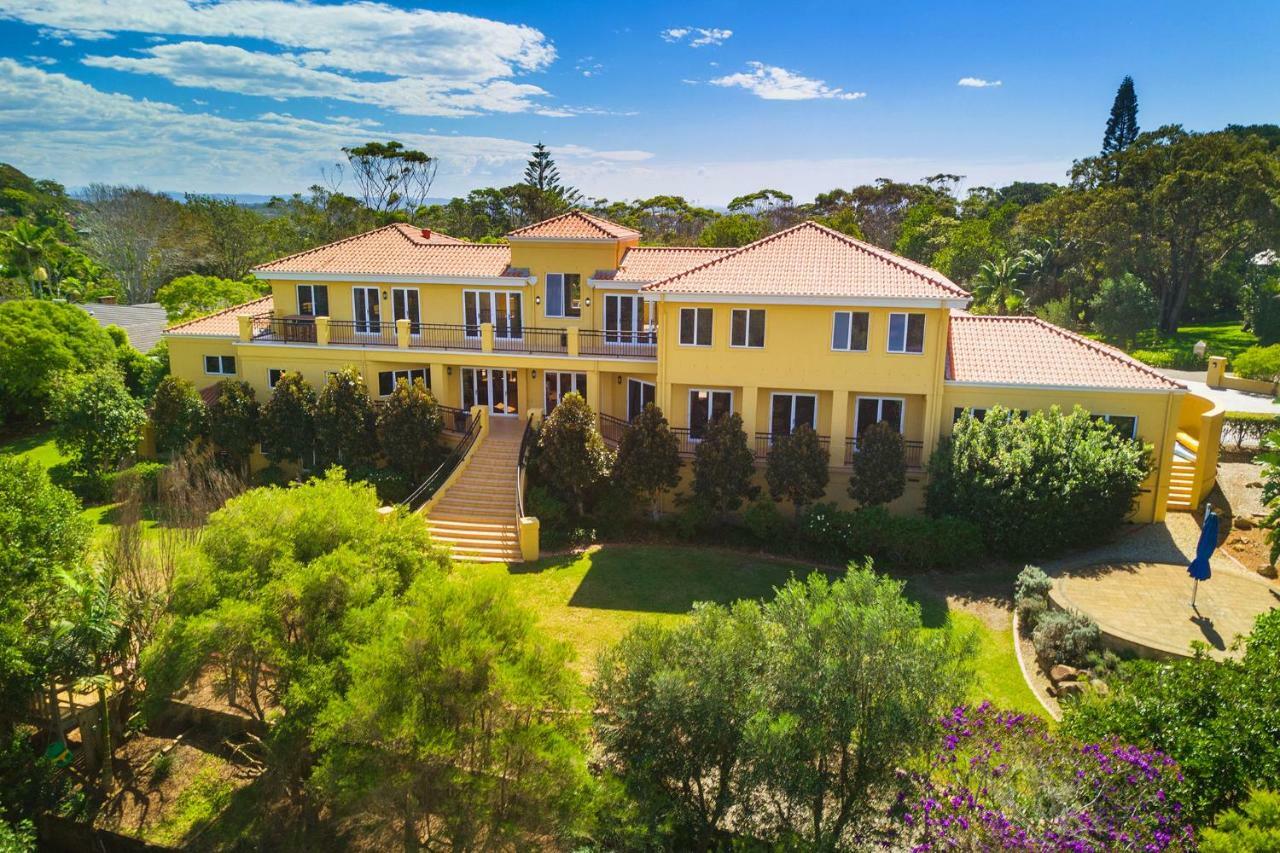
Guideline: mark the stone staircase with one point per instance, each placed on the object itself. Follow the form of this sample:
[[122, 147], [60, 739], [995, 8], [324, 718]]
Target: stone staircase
[[475, 516], [1182, 474]]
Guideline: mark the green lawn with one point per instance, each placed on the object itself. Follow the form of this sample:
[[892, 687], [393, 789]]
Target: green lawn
[[1223, 338], [591, 600]]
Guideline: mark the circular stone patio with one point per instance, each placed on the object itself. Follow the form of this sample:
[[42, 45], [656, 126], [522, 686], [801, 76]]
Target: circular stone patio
[[1146, 607]]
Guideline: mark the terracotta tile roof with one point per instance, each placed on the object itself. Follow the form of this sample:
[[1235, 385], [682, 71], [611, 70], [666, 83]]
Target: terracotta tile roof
[[576, 225], [398, 249], [210, 393], [224, 323], [812, 260], [644, 264], [1029, 351]]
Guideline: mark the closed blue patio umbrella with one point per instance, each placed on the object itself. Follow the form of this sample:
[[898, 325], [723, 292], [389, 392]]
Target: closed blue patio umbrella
[[1199, 568]]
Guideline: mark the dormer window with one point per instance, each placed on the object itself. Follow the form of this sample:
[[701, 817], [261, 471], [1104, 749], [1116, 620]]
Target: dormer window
[[564, 294]]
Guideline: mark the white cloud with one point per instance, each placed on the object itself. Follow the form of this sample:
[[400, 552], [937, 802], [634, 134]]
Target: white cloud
[[42, 60], [778, 84], [65, 129], [978, 83], [441, 63], [588, 67], [702, 36]]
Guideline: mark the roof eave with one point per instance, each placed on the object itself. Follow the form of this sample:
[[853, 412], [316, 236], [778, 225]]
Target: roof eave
[[391, 278], [1033, 386]]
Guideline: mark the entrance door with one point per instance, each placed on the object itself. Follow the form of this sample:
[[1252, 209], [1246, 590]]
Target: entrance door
[[639, 395], [497, 389], [367, 310]]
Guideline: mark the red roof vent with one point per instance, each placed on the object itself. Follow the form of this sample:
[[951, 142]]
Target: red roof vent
[[426, 233]]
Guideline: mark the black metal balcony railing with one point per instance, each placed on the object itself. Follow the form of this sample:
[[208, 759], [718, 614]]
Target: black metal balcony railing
[[444, 336], [455, 420], [549, 341], [611, 428], [360, 333], [913, 450], [297, 330], [686, 441], [615, 344], [765, 440]]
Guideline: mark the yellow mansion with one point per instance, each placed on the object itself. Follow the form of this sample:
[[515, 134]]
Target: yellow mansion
[[806, 326]]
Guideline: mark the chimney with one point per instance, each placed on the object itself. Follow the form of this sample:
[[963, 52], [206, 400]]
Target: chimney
[[106, 300], [426, 233]]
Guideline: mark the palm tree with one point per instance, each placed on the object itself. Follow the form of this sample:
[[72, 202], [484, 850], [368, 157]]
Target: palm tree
[[26, 247], [996, 285]]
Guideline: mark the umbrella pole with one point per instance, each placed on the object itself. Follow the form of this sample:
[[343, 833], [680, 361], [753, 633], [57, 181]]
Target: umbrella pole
[[1195, 588]]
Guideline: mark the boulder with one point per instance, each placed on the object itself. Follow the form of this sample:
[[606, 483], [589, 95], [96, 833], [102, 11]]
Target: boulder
[[1070, 688], [1241, 522], [1100, 686], [1061, 672], [1268, 572]]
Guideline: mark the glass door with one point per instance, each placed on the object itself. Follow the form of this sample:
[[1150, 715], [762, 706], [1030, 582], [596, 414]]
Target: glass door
[[367, 310], [639, 395], [502, 308], [497, 389], [404, 304], [624, 320], [705, 407]]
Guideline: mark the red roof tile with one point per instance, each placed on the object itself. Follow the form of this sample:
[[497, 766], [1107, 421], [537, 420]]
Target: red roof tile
[[1028, 351], [814, 261], [643, 264], [575, 225], [224, 323], [398, 249]]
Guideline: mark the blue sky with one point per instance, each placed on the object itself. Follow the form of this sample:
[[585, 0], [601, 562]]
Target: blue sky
[[704, 100]]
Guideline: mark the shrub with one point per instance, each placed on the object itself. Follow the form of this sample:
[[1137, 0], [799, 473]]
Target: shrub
[[1254, 827], [1182, 359], [796, 468], [392, 486], [1037, 485], [409, 427], [40, 339], [694, 517], [648, 462], [143, 476], [765, 522], [1066, 637], [178, 415], [551, 512], [572, 459], [344, 422], [1031, 595], [233, 420], [723, 465], [1060, 313], [1258, 363], [96, 421], [909, 543], [1239, 427], [879, 467], [1122, 308], [288, 421]]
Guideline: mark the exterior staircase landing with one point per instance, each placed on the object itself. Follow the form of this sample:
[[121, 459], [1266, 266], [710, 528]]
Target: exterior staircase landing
[[475, 516]]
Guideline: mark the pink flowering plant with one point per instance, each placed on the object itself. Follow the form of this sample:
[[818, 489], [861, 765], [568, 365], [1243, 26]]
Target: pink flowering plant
[[1001, 781]]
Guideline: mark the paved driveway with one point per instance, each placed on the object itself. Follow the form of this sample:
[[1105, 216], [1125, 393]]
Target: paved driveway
[[1232, 401]]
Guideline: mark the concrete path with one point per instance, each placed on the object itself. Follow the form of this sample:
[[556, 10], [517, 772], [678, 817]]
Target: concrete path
[[1138, 590], [1231, 400]]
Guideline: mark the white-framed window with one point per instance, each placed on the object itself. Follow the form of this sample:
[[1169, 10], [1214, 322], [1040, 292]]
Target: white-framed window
[[705, 406], [906, 333], [788, 411], [405, 306], [367, 310], [869, 411], [274, 375], [1125, 425], [564, 294], [639, 395], [502, 308], [387, 379], [850, 331], [695, 327], [557, 384], [313, 300], [220, 365], [746, 328]]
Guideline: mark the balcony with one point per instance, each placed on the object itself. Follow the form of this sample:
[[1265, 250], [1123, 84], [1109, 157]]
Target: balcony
[[484, 337]]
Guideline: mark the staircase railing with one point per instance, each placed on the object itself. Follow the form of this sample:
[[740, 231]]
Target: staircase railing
[[436, 478], [526, 443]]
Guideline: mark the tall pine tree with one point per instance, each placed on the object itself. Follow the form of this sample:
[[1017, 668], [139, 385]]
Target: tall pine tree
[[544, 195], [1122, 125]]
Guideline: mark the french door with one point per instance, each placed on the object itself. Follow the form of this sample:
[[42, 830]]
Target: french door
[[873, 410], [366, 310], [624, 320], [405, 306], [789, 411], [558, 384], [639, 395], [497, 389], [502, 308], [705, 407]]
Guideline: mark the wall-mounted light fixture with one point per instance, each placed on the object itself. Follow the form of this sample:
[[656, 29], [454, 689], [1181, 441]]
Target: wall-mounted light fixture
[[588, 301], [449, 369], [537, 300], [619, 378], [533, 374]]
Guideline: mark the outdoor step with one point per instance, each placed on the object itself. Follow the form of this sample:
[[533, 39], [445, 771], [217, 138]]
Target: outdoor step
[[474, 509], [510, 558], [463, 523], [475, 535], [496, 550]]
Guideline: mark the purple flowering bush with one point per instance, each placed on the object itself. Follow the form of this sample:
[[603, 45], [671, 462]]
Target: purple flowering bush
[[1002, 781]]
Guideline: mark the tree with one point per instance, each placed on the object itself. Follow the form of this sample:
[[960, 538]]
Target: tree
[[39, 340], [289, 420], [723, 465], [390, 176], [178, 415], [1040, 484], [648, 462], [233, 420], [492, 752], [191, 296], [797, 467], [95, 420], [996, 286], [1122, 124], [550, 196], [714, 724], [26, 249], [572, 458], [344, 421], [879, 467], [1123, 307], [735, 229], [137, 234], [1254, 827], [231, 236], [409, 427]]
